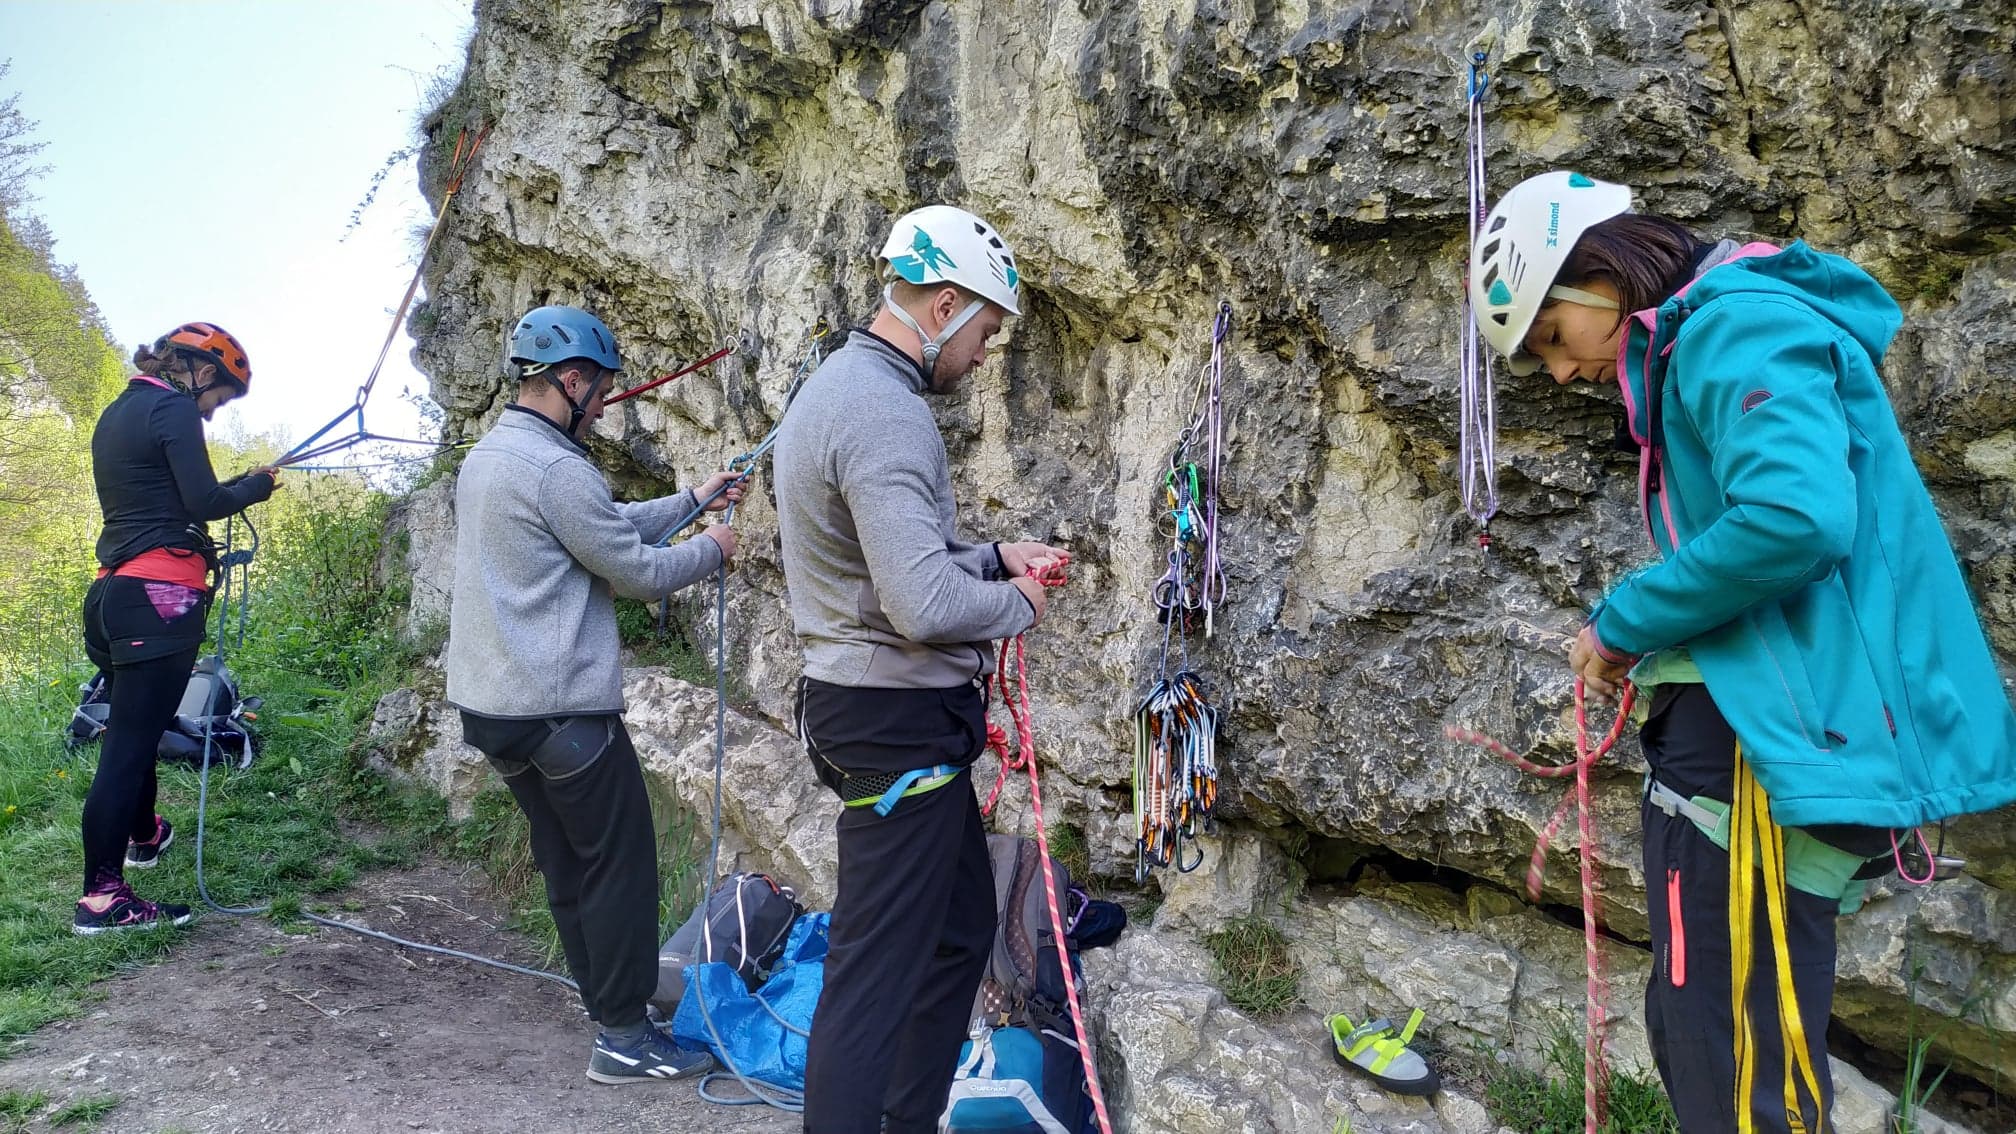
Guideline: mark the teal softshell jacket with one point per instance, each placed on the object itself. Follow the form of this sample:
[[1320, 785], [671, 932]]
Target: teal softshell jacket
[[1802, 562]]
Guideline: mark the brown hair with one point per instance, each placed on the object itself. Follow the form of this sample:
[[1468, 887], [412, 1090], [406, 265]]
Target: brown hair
[[1646, 258], [907, 293], [170, 364]]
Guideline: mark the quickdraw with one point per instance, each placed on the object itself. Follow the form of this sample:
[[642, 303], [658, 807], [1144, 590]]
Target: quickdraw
[[1595, 1067], [1195, 580], [1023, 759], [1175, 771], [745, 463], [1176, 726], [1477, 403]]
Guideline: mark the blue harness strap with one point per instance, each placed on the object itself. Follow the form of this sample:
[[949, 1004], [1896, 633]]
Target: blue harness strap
[[906, 784]]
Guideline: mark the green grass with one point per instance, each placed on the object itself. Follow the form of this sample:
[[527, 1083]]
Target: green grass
[[320, 651], [17, 1107], [1068, 847], [637, 628], [1534, 1102], [84, 1113], [1255, 969]]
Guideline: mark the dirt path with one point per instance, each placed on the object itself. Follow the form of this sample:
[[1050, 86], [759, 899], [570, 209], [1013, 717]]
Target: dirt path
[[247, 1028]]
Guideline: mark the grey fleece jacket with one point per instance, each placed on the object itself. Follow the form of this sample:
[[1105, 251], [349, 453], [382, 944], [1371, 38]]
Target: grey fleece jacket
[[539, 546], [883, 592]]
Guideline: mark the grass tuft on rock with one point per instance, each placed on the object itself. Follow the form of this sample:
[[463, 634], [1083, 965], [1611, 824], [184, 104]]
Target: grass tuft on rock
[[1255, 968]]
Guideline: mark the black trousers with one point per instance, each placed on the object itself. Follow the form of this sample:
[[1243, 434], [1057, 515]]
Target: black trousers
[[913, 923], [578, 782], [144, 636], [1688, 1015]]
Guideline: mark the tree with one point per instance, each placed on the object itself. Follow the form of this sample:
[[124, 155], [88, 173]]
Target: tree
[[17, 150]]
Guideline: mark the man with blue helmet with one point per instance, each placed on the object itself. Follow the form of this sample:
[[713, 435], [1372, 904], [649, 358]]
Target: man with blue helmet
[[540, 551]]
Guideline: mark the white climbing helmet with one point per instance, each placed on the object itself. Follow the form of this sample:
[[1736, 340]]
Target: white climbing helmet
[[1521, 248], [940, 243]]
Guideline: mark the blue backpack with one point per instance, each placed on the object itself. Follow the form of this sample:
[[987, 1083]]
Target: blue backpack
[[1020, 1072]]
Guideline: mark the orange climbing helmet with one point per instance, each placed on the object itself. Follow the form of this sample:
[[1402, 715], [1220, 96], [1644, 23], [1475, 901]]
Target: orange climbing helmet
[[214, 344]]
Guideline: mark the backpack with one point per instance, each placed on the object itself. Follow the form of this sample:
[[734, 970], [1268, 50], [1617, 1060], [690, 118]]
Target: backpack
[[1020, 1071], [743, 922], [210, 702]]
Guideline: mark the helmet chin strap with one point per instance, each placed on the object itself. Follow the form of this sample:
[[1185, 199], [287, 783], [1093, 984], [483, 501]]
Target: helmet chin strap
[[928, 345], [577, 410]]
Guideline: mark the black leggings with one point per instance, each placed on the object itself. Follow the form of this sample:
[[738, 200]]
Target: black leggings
[[144, 636]]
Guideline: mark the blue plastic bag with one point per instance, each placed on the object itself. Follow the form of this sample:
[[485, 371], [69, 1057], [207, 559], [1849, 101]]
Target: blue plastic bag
[[762, 1033]]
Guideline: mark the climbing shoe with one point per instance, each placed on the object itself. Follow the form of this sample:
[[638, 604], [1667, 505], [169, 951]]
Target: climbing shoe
[[116, 907], [649, 1057], [142, 856], [1375, 1050]]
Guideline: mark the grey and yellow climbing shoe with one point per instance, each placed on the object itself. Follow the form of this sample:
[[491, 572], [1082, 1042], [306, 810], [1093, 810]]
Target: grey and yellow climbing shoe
[[1374, 1049]]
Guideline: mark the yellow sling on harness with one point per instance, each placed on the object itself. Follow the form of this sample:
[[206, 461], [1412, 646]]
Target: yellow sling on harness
[[1757, 846]]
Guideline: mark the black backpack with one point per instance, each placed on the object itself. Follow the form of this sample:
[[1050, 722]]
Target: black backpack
[[743, 922]]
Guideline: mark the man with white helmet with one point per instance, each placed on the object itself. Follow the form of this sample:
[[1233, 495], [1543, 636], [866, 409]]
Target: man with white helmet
[[896, 615]]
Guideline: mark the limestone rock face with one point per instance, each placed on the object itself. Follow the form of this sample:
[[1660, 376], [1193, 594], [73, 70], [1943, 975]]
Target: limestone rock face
[[701, 173]]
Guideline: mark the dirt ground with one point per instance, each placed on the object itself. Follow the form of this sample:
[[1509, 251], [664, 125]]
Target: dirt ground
[[248, 1028]]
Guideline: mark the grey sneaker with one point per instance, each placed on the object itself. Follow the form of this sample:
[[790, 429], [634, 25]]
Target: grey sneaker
[[653, 1057]]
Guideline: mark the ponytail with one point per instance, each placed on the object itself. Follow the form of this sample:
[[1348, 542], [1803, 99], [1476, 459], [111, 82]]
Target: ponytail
[[170, 364]]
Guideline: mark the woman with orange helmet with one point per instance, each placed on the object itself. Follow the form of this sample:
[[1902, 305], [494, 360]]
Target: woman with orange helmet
[[144, 617]]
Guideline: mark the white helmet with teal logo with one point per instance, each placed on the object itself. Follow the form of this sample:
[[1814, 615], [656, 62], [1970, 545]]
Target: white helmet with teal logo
[[943, 244], [1521, 248]]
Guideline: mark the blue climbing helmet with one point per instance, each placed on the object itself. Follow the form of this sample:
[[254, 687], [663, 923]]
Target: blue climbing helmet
[[551, 335], [555, 334]]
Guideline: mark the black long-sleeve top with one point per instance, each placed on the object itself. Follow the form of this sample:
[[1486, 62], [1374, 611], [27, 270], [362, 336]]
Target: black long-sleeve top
[[155, 484]]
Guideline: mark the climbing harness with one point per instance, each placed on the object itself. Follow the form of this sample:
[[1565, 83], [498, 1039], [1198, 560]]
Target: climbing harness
[[1023, 759], [1176, 725], [1595, 1067], [1476, 398], [309, 450]]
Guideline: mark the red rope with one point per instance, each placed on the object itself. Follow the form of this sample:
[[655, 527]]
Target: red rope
[[1595, 1068], [1024, 759], [654, 383]]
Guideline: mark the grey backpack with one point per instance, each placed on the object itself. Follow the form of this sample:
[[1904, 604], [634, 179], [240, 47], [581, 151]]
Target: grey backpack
[[1015, 973]]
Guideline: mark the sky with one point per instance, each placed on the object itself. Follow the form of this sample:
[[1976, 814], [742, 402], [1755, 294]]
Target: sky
[[205, 157]]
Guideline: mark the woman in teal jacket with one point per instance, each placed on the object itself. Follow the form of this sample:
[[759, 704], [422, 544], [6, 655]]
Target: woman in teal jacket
[[1814, 660]]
